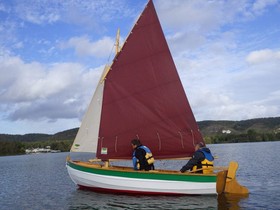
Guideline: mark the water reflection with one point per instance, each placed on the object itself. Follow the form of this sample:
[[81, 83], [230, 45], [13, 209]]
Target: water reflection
[[230, 201], [81, 199]]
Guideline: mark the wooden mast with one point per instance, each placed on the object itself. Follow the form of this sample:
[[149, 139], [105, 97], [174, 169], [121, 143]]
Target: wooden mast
[[117, 44], [107, 66]]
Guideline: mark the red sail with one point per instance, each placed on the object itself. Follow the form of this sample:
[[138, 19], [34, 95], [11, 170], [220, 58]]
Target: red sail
[[144, 98]]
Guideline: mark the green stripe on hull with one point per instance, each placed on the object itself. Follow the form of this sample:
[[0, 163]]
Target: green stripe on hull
[[145, 175]]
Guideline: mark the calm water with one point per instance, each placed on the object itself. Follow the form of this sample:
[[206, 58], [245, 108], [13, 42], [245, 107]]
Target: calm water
[[42, 182]]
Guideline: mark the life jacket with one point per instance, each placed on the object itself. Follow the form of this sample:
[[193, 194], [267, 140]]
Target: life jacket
[[149, 157], [207, 164]]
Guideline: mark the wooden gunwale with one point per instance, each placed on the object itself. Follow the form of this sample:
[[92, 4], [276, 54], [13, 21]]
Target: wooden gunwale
[[130, 169]]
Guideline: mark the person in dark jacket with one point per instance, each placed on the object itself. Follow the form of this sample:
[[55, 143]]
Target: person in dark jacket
[[202, 160], [142, 157]]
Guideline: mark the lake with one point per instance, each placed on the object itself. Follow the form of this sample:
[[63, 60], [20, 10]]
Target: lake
[[41, 181]]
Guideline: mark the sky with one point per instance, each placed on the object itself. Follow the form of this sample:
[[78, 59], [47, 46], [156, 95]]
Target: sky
[[52, 53]]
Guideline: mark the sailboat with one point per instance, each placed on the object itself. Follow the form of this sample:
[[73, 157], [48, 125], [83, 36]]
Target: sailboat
[[140, 95]]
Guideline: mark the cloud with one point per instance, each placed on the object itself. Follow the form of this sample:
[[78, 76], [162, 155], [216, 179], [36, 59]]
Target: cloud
[[260, 5], [254, 89], [7, 31], [199, 22], [36, 91], [85, 13], [2, 7], [85, 47], [199, 15], [261, 56], [222, 84], [37, 12]]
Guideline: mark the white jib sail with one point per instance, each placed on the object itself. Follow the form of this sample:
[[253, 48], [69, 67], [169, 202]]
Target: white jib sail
[[87, 136]]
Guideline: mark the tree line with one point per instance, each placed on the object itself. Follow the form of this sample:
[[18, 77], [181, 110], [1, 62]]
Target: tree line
[[18, 148], [251, 136], [17, 144]]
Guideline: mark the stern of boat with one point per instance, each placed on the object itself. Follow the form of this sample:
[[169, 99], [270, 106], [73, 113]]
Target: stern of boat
[[227, 182]]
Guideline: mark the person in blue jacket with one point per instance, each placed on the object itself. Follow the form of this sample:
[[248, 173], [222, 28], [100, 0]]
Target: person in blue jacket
[[202, 160], [142, 157]]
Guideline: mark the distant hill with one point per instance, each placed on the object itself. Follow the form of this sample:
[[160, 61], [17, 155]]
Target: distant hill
[[65, 135], [261, 129], [26, 137], [17, 144], [208, 128], [260, 125], [34, 137]]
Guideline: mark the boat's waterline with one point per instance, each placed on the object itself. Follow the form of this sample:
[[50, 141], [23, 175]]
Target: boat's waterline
[[140, 182]]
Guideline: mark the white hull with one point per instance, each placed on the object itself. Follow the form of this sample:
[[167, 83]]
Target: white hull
[[134, 185]]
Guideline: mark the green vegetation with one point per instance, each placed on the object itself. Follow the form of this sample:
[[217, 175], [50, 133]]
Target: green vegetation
[[17, 148], [17, 144], [214, 132], [250, 136], [254, 130]]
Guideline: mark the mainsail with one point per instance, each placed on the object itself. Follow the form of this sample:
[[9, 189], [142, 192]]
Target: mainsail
[[140, 96], [143, 98]]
